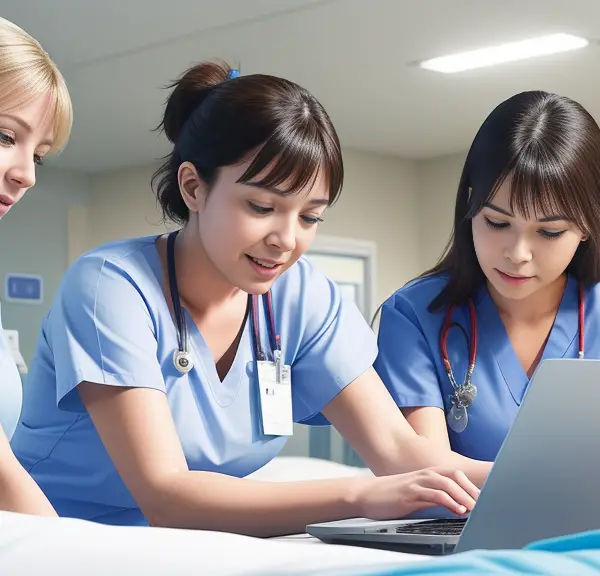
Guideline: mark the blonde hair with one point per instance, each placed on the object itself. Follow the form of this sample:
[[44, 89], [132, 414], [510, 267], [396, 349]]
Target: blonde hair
[[26, 73]]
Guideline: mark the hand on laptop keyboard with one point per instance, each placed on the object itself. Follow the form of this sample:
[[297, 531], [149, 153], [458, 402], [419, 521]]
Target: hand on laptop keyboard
[[393, 497]]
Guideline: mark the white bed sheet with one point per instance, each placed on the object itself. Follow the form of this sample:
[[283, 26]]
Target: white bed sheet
[[31, 545]]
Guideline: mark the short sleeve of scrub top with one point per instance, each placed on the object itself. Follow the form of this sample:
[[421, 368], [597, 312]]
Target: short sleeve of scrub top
[[405, 361], [330, 344], [11, 390], [102, 331]]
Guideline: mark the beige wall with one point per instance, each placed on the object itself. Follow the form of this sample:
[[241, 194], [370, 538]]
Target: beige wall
[[378, 203], [438, 183]]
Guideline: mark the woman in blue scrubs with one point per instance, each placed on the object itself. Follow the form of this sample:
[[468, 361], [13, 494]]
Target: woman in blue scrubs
[[526, 239], [35, 119], [162, 374]]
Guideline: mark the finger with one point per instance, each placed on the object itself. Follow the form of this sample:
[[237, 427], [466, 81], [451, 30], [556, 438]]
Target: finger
[[455, 490], [431, 497], [463, 481]]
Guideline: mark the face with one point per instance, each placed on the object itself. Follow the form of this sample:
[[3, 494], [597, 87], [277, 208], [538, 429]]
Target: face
[[252, 234], [520, 256], [25, 137]]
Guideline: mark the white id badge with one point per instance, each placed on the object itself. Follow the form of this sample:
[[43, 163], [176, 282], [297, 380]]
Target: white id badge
[[275, 399]]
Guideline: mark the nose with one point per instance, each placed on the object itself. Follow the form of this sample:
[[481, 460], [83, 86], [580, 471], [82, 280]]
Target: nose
[[518, 250], [283, 236], [22, 173]]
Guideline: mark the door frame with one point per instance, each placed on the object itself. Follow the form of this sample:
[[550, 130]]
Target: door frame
[[322, 444], [353, 248]]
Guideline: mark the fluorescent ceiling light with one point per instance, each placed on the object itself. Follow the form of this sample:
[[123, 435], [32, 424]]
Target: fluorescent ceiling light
[[511, 52]]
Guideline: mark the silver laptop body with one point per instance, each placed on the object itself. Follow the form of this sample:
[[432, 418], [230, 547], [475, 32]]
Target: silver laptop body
[[544, 482]]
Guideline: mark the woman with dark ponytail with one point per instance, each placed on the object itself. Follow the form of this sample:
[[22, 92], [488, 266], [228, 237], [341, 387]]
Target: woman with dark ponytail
[[171, 367]]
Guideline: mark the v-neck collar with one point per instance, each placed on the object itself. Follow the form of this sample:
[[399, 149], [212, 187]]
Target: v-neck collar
[[494, 337], [224, 391]]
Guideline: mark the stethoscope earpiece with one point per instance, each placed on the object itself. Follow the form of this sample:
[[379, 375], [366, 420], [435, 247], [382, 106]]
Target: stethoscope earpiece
[[182, 361]]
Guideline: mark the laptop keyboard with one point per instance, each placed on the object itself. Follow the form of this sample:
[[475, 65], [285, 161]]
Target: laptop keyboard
[[446, 527]]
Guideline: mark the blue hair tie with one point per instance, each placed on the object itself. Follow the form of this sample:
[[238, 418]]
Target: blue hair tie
[[233, 73]]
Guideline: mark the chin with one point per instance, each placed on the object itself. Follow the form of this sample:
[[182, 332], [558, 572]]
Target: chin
[[255, 287], [516, 292]]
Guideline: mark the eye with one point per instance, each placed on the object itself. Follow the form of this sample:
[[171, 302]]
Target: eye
[[551, 235], [312, 220], [259, 209], [38, 160], [6, 140], [495, 225]]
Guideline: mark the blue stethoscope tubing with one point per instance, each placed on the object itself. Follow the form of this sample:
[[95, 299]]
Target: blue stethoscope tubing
[[181, 357]]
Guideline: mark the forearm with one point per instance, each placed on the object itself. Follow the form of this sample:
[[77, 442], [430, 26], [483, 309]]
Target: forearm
[[414, 452], [18, 491], [209, 501]]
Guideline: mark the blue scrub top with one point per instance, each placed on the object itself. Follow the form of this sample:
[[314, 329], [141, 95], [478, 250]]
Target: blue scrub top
[[110, 324], [11, 389], [410, 363]]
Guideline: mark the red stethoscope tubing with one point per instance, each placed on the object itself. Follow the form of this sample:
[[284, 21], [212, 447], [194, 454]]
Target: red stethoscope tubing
[[474, 334]]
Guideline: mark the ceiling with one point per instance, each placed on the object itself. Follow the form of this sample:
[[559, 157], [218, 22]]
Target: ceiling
[[355, 55]]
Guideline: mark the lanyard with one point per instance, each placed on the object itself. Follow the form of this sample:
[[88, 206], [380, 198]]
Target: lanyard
[[274, 338], [182, 358]]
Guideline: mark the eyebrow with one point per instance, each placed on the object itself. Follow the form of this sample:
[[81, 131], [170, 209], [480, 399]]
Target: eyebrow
[[25, 127], [272, 190], [556, 218]]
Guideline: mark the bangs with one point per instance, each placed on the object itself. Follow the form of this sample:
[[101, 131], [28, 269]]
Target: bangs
[[294, 161], [541, 186], [26, 84]]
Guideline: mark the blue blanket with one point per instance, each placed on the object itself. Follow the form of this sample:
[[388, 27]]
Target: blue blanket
[[574, 555]]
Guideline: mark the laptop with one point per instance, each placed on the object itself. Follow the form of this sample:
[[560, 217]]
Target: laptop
[[544, 482]]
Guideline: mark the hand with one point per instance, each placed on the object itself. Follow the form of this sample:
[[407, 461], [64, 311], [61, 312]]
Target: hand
[[393, 497]]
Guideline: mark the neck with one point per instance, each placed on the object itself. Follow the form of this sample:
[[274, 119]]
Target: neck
[[539, 305], [201, 285]]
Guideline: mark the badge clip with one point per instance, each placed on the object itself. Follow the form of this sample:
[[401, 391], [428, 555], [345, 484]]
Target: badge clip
[[277, 355]]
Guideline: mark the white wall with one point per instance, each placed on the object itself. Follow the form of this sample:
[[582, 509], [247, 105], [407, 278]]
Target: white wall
[[34, 240], [378, 203]]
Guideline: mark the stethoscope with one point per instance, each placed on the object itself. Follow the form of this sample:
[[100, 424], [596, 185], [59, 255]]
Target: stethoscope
[[182, 359], [464, 395]]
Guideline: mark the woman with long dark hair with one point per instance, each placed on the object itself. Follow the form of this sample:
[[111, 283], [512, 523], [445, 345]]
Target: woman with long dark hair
[[518, 282]]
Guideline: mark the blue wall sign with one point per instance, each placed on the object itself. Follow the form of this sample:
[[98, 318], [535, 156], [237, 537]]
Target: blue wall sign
[[24, 288]]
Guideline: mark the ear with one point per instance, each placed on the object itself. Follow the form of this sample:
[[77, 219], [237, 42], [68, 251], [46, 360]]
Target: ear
[[193, 189]]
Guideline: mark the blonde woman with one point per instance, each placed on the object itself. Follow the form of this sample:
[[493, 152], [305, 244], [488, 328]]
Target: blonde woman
[[35, 120]]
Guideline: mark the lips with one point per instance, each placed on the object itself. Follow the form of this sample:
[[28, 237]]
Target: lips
[[515, 276], [265, 262], [513, 279], [6, 200]]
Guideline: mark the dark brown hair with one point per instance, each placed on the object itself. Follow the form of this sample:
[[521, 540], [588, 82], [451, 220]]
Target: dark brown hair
[[216, 120], [547, 147]]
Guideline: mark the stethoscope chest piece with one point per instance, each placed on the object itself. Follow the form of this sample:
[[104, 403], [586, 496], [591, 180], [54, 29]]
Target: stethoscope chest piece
[[461, 399], [182, 360]]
